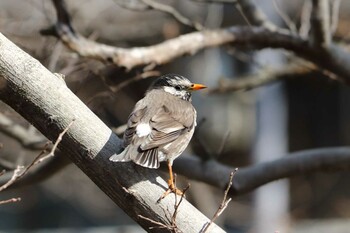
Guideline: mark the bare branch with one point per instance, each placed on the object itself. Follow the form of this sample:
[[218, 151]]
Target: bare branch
[[54, 147], [320, 23], [2, 172], [158, 224], [135, 5], [55, 55], [138, 77], [63, 16], [223, 143], [11, 200], [223, 204], [287, 20], [40, 172], [172, 11], [305, 19], [171, 225], [16, 175], [21, 171], [157, 54], [176, 208], [26, 138], [252, 37], [335, 15], [249, 178], [32, 141], [254, 15], [264, 77]]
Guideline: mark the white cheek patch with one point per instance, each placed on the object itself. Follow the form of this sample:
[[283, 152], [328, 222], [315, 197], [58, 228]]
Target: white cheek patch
[[170, 90], [173, 91], [143, 130]]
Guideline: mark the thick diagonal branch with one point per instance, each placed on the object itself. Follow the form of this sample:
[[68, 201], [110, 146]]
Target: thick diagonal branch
[[44, 100]]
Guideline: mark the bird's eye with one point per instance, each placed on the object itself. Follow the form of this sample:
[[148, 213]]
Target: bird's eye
[[178, 88]]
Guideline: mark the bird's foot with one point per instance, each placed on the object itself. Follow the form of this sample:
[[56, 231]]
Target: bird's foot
[[172, 189]]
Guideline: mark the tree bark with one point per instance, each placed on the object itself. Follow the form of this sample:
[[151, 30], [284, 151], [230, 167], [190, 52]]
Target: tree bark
[[44, 100]]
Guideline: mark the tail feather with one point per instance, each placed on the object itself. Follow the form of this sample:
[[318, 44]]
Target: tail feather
[[121, 157], [147, 158]]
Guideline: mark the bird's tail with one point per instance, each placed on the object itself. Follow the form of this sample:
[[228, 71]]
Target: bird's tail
[[121, 157], [148, 158]]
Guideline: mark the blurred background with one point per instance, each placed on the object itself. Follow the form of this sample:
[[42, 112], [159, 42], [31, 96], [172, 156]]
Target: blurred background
[[303, 112]]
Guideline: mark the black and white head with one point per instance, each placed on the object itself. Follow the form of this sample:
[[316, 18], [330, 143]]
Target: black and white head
[[176, 85]]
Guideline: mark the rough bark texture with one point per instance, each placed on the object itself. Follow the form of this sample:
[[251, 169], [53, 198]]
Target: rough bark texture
[[44, 100]]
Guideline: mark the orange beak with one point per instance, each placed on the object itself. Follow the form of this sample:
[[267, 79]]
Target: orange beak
[[196, 87]]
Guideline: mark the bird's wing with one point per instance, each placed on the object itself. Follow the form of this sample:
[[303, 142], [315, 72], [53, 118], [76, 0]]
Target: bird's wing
[[133, 121], [167, 126]]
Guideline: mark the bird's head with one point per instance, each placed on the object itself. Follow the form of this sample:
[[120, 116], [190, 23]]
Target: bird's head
[[177, 85]]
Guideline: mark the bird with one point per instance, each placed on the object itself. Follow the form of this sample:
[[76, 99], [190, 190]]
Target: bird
[[161, 125]]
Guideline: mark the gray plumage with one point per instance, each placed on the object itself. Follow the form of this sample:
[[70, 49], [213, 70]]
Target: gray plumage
[[161, 124]]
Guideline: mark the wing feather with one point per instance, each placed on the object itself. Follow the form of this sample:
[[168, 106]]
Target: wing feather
[[165, 129], [133, 121]]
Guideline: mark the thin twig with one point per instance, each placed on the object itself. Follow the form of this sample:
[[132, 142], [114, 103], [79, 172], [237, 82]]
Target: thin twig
[[264, 77], [55, 55], [335, 15], [320, 23], [170, 217], [2, 172], [223, 143], [138, 77], [16, 175], [305, 19], [28, 139], [143, 5], [223, 204], [54, 147], [116, 88], [254, 14], [176, 206], [172, 11], [11, 200], [21, 171], [160, 225], [133, 5], [287, 20]]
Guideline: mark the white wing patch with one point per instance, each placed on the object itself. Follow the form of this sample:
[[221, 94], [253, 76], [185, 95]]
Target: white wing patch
[[143, 130]]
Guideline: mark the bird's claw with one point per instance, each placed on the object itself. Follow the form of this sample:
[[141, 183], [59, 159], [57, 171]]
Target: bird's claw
[[172, 189]]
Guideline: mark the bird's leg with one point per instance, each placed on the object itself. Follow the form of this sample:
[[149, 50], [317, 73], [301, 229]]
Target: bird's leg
[[171, 184]]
